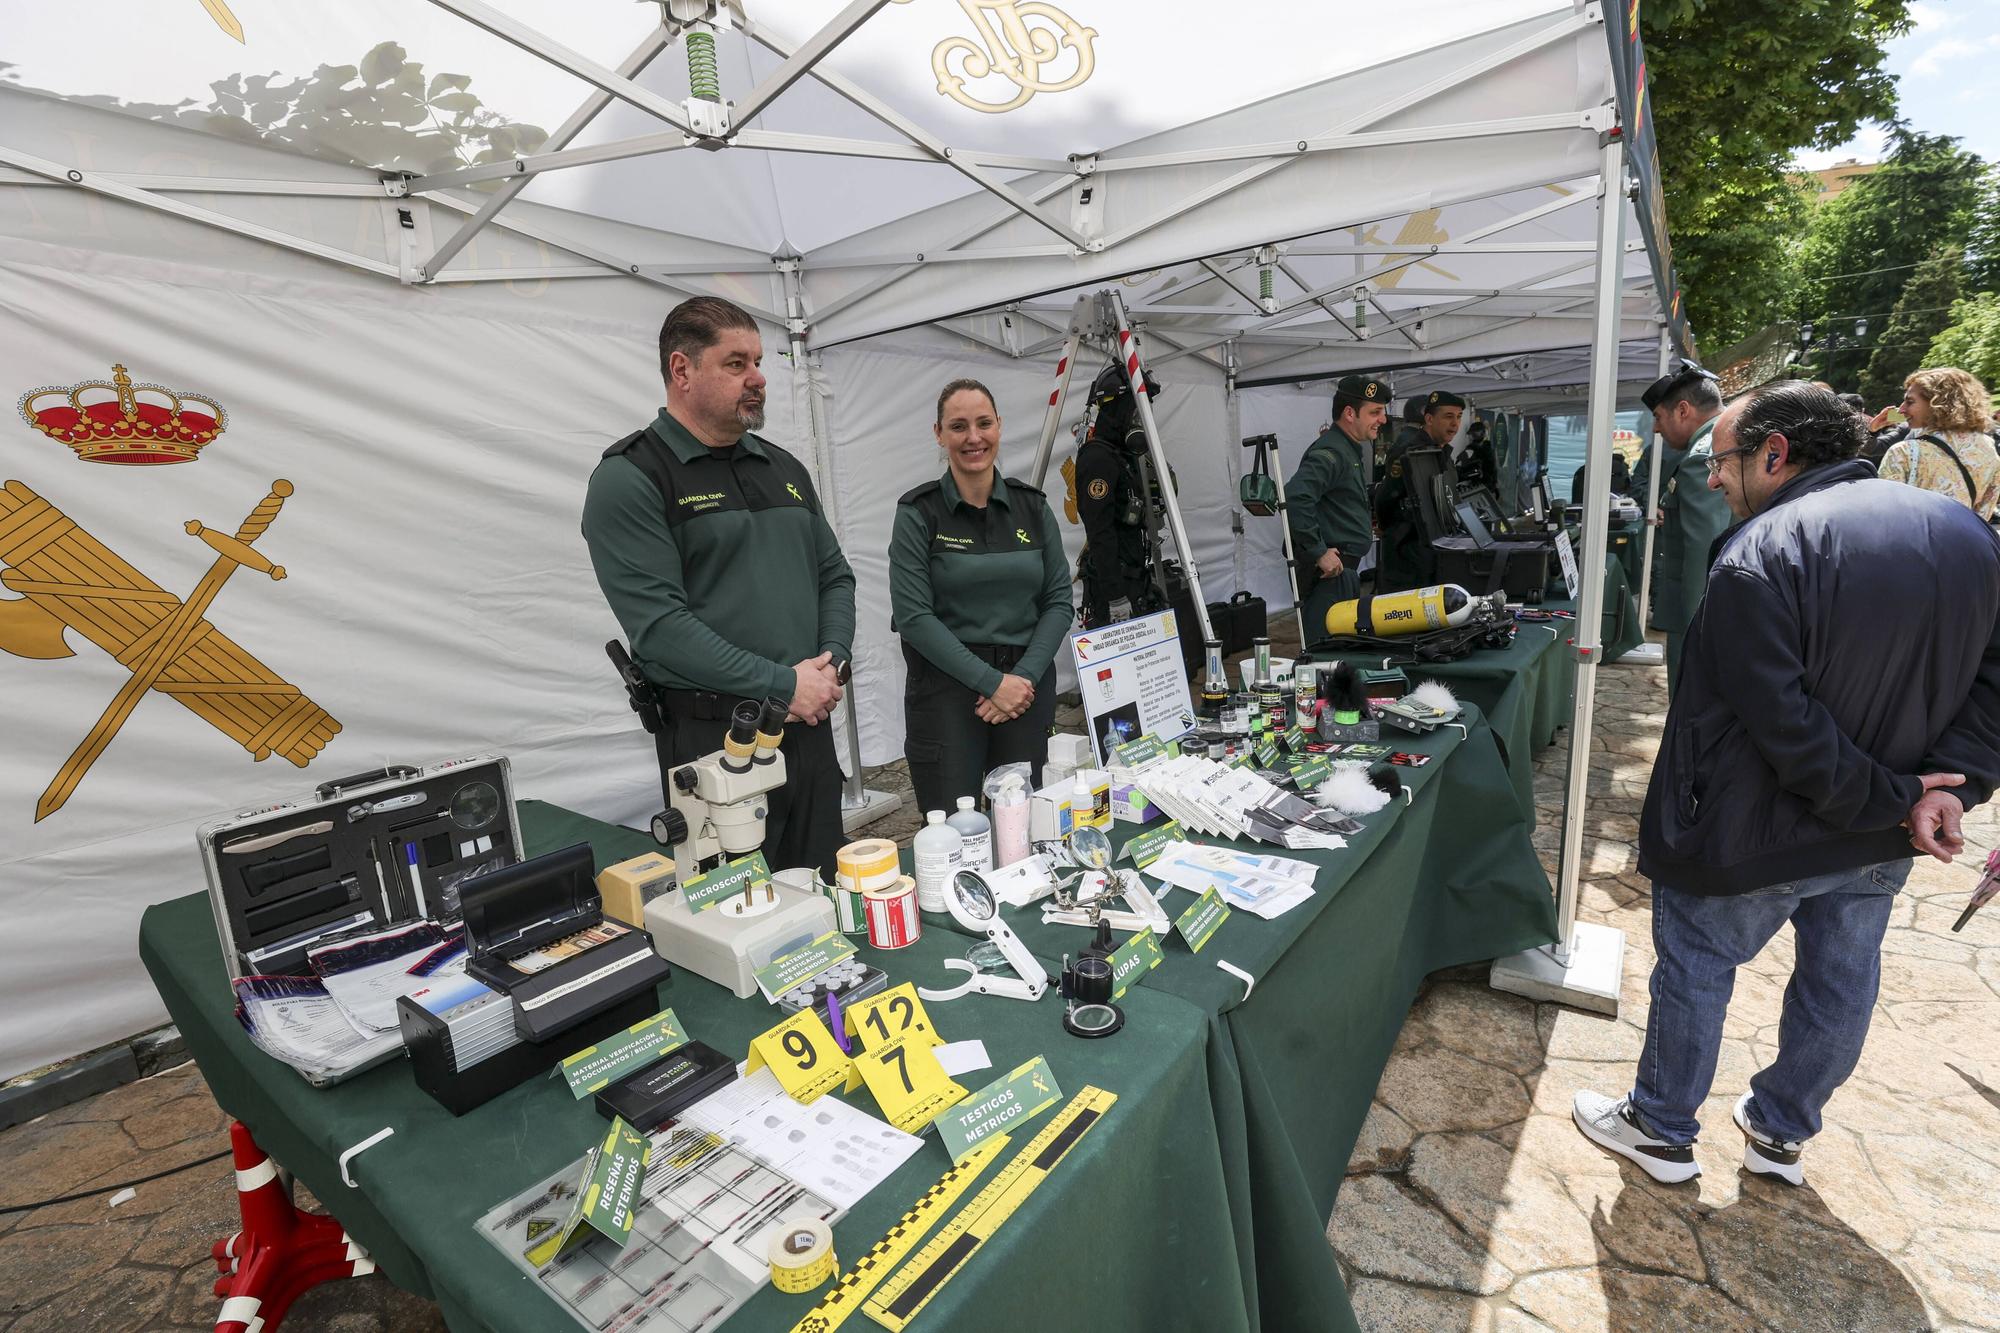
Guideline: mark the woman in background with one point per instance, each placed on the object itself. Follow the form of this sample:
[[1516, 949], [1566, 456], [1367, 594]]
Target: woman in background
[[1948, 448]]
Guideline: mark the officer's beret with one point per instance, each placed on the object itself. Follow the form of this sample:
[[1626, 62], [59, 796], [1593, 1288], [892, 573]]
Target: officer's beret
[[1361, 389], [1439, 398], [1684, 372]]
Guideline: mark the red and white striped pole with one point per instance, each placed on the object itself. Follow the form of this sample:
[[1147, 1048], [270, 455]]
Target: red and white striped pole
[[1079, 320]]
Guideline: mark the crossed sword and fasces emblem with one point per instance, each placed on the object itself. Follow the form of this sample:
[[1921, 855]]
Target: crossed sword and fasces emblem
[[68, 579]]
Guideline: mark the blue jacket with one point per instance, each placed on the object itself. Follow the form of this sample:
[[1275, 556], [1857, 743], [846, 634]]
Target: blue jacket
[[1849, 640]]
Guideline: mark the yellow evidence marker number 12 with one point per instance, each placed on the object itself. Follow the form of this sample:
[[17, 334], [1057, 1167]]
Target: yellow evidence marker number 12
[[804, 1056], [895, 1011], [909, 1084]]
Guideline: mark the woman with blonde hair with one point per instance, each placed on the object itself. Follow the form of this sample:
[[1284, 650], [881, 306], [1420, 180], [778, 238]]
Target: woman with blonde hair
[[1948, 449]]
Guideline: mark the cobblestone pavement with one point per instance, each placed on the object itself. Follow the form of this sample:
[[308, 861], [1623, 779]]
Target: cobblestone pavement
[[1471, 1202]]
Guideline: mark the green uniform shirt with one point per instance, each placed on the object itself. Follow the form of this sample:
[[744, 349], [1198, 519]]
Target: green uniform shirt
[[727, 583], [962, 574], [1328, 501], [1695, 516]]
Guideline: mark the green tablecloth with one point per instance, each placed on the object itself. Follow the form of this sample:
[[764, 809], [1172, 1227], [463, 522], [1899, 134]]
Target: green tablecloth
[[1132, 1232], [1523, 691], [1292, 1068], [1451, 878]]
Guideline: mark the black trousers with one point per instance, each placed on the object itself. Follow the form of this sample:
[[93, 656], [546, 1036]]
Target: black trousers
[[950, 750], [803, 827]]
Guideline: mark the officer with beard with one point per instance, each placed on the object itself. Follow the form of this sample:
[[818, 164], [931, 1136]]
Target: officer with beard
[[712, 549]]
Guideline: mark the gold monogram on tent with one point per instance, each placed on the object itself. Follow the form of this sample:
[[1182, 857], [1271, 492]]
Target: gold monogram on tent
[[67, 579], [1016, 38]]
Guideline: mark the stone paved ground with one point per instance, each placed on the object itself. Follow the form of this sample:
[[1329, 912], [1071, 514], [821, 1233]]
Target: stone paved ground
[[1471, 1202]]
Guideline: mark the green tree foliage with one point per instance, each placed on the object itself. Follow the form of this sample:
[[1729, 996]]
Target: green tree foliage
[[1866, 244], [1737, 89], [1982, 260], [1923, 311], [1972, 342], [383, 112]]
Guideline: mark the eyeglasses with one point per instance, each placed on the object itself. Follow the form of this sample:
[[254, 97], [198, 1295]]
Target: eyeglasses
[[1737, 452]]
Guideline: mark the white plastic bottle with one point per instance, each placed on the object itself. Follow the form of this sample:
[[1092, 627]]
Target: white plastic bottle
[[939, 853], [976, 832]]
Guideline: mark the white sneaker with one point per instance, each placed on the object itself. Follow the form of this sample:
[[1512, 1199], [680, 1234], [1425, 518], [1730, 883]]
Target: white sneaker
[[1767, 1156], [1612, 1124]]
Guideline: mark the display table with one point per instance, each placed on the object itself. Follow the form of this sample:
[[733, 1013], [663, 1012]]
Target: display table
[[1132, 1232], [1448, 877]]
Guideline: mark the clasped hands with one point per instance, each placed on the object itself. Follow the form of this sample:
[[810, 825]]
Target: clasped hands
[[1007, 702], [815, 690], [1933, 821]]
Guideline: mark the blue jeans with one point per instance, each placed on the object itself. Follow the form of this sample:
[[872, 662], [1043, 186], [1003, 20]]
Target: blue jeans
[[1838, 921]]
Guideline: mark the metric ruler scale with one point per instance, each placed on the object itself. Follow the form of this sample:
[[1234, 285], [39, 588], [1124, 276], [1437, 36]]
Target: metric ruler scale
[[911, 1287], [855, 1284]]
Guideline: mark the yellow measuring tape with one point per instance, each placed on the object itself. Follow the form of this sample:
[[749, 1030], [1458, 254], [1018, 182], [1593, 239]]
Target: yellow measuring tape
[[853, 1288], [911, 1287], [802, 1256]]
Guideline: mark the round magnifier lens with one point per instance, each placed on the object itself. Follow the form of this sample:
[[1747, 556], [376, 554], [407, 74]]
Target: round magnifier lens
[[1094, 1020], [975, 899], [1090, 848], [474, 805], [987, 957]]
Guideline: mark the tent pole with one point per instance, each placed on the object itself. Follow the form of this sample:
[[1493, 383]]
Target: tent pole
[[1584, 966], [1653, 496], [1135, 374], [859, 805], [1079, 317]]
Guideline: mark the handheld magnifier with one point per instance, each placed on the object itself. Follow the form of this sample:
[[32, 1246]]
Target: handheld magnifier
[[972, 904]]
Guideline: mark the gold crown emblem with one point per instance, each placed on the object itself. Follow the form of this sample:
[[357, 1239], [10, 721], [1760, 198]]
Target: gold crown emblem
[[138, 424]]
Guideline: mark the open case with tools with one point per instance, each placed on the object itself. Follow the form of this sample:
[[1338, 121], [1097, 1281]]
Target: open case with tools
[[362, 853]]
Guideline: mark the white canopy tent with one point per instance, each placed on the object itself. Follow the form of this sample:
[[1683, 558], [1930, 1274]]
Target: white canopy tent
[[304, 227]]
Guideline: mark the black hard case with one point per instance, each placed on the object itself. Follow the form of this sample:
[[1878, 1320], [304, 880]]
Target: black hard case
[[535, 903]]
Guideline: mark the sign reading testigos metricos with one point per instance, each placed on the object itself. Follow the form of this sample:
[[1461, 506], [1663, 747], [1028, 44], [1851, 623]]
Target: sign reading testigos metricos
[[1132, 681]]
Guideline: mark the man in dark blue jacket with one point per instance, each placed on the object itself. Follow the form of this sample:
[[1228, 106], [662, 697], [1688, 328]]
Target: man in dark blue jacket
[[1839, 707]]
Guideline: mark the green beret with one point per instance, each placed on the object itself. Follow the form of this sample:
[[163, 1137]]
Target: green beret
[[1361, 389], [1439, 398]]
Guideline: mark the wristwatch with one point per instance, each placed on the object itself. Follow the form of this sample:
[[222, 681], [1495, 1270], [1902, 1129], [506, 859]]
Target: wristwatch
[[842, 670]]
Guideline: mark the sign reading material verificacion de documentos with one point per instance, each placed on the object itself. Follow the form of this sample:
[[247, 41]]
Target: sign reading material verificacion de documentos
[[1132, 682]]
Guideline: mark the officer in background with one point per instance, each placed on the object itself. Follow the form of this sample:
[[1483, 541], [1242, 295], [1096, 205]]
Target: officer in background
[[712, 549], [1685, 403], [1327, 501], [1114, 499], [1407, 560], [1477, 464], [979, 592]]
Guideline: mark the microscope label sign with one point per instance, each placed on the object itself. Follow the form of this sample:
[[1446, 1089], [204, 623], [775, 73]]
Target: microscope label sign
[[744, 874]]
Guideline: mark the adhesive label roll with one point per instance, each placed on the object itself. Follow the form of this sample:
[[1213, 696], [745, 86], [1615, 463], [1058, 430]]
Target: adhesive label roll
[[893, 919], [868, 864], [802, 1255]]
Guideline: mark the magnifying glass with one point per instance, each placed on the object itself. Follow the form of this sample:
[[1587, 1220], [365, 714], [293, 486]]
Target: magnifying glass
[[969, 899]]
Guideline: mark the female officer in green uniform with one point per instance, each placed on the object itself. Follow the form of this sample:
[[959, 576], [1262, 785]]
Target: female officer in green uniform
[[979, 590]]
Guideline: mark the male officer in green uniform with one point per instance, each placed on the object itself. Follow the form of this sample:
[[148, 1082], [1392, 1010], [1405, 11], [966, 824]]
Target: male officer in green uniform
[[711, 547], [1685, 403], [1407, 560], [1327, 501]]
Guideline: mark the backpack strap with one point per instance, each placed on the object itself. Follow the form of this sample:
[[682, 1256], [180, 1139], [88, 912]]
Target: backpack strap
[[1971, 490]]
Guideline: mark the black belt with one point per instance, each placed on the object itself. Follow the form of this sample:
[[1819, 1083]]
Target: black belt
[[699, 705]]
